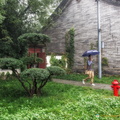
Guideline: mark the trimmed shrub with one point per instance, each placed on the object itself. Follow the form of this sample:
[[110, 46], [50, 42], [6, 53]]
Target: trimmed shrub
[[55, 70], [34, 38], [32, 80], [35, 73], [36, 79], [10, 63]]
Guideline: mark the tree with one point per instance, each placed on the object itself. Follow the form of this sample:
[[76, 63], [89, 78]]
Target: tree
[[5, 39], [39, 77], [33, 39], [21, 16], [27, 15], [2, 2], [37, 12], [17, 21], [32, 80], [31, 61], [10, 30]]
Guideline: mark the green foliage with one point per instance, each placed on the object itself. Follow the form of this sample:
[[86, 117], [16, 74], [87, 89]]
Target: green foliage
[[11, 8], [55, 70], [11, 28], [19, 17], [5, 46], [28, 39], [35, 73], [17, 21], [69, 39], [53, 60], [32, 80], [34, 39], [2, 76], [59, 102], [58, 62], [37, 78], [104, 61], [8, 75], [2, 3], [10, 63], [1, 18], [31, 60], [63, 62], [40, 10]]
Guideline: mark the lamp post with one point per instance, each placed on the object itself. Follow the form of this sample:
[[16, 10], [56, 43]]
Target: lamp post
[[99, 39]]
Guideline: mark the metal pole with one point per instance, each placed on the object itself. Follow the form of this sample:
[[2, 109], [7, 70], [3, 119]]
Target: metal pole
[[99, 39]]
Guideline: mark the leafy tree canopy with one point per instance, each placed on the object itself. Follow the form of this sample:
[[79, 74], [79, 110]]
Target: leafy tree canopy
[[18, 17], [35, 73], [34, 38], [2, 2]]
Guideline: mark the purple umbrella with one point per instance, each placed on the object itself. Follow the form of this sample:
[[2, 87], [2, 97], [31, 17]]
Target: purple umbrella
[[90, 52]]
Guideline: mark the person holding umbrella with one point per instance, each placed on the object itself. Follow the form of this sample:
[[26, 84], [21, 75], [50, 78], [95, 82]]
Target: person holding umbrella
[[89, 71]]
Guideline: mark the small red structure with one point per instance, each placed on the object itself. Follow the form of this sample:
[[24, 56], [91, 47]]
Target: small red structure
[[115, 86], [39, 52]]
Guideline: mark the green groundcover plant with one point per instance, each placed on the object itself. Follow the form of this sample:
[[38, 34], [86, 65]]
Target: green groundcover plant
[[58, 102]]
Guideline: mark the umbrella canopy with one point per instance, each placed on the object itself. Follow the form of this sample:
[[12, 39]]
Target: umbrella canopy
[[90, 52]]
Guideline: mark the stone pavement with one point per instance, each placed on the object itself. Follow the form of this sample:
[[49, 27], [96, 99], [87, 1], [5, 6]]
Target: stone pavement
[[79, 83]]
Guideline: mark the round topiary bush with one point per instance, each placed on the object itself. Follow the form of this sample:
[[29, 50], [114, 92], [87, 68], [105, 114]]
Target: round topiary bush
[[55, 70], [35, 73], [37, 79], [10, 63]]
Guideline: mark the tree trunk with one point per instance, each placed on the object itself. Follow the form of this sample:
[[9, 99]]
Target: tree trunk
[[34, 88], [39, 92], [43, 84]]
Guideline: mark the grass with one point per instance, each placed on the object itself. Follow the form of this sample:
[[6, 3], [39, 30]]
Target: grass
[[79, 77], [58, 102]]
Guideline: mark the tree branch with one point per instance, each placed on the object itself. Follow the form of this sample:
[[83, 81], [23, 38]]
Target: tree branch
[[18, 77], [44, 83], [25, 10]]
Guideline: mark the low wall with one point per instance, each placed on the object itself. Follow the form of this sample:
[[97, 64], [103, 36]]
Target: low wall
[[6, 70]]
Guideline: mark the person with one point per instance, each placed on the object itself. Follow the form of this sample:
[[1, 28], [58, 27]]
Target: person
[[89, 71]]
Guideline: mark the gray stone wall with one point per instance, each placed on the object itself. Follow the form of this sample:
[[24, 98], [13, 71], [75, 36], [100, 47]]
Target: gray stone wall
[[83, 17]]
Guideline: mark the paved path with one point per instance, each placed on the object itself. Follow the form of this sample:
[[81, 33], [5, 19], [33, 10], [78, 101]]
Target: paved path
[[77, 83]]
